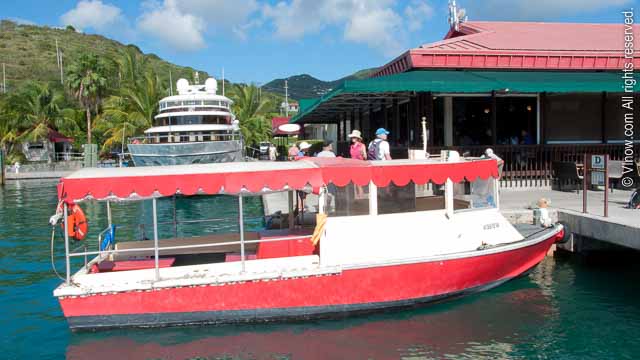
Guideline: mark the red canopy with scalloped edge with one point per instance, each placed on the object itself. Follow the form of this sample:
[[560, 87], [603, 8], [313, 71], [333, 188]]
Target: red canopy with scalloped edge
[[257, 177]]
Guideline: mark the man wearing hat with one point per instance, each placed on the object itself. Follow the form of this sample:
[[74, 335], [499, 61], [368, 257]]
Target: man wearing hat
[[379, 148], [327, 149]]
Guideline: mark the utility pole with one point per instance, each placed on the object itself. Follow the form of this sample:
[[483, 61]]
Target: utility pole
[[61, 69], [4, 80], [170, 84], [286, 98]]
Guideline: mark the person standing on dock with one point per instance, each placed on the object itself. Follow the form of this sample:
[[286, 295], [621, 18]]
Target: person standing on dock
[[379, 148], [357, 150], [327, 150]]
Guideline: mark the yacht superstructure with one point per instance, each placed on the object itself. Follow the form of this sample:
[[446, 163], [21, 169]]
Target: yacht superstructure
[[195, 126]]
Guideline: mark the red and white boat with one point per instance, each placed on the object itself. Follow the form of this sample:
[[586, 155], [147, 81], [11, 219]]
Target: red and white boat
[[389, 234]]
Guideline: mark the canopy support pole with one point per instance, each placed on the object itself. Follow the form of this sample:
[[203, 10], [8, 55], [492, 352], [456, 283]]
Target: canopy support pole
[[373, 199], [448, 198], [322, 198], [155, 238], [109, 213], [175, 218], [241, 223], [291, 218], [66, 242]]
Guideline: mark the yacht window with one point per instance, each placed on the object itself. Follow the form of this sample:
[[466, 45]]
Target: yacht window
[[163, 137]]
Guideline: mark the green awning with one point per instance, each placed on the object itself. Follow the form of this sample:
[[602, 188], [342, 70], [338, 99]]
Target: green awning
[[463, 82]]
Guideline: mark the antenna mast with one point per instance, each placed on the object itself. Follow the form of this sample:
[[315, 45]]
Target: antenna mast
[[222, 81]]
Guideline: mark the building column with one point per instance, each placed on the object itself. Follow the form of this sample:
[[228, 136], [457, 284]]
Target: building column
[[603, 117], [494, 121], [396, 120], [430, 119], [448, 121], [542, 98]]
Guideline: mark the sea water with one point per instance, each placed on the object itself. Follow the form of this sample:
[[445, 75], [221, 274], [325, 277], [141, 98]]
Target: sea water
[[564, 309]]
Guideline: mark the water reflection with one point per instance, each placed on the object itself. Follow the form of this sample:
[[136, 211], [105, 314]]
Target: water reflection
[[485, 325]]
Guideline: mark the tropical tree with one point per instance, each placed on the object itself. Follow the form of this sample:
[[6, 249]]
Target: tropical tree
[[132, 108], [39, 109], [87, 81], [251, 110], [247, 102]]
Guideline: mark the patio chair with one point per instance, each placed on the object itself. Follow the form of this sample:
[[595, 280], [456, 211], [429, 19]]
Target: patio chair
[[566, 172], [614, 168]]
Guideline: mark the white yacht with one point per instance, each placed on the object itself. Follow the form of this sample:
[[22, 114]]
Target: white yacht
[[195, 126]]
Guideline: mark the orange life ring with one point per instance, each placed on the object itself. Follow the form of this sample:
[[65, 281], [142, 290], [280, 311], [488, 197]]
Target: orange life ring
[[77, 225]]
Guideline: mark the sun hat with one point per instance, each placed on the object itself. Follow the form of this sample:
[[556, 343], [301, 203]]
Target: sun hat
[[304, 145], [356, 134], [382, 131]]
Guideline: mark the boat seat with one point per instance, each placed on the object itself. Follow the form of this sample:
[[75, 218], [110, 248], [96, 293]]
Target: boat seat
[[126, 265], [200, 240], [285, 248]]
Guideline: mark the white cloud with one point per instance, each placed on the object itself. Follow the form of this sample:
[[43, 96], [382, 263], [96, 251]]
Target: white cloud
[[93, 14], [374, 23], [416, 13], [183, 24], [536, 10], [168, 23]]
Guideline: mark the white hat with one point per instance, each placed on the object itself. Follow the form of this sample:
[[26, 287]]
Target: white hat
[[356, 133], [304, 145]]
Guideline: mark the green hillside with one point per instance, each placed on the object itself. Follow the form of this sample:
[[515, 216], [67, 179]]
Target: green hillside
[[29, 53], [305, 86]]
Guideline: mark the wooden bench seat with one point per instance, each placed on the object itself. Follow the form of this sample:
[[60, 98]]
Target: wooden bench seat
[[200, 240]]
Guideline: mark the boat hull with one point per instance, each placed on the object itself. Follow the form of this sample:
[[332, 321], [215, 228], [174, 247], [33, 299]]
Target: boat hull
[[186, 153], [358, 290]]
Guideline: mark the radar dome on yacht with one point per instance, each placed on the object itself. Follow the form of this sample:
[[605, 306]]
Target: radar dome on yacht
[[211, 85], [183, 86]]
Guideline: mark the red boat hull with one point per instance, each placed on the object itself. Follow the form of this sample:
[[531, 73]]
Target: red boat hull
[[352, 291]]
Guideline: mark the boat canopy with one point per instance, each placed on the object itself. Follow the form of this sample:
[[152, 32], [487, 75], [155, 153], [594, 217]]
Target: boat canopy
[[258, 177]]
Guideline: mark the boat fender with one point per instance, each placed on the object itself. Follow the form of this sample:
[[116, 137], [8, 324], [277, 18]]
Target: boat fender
[[77, 225], [566, 233]]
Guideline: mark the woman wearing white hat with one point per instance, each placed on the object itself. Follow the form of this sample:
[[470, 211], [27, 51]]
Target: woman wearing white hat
[[304, 147], [357, 150]]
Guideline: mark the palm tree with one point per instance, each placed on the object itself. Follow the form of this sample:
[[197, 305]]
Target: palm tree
[[247, 103], [39, 107], [251, 109], [130, 111], [131, 67], [86, 80]]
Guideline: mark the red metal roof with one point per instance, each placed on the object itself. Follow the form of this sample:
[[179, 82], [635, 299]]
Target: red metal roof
[[57, 137], [521, 45], [255, 177]]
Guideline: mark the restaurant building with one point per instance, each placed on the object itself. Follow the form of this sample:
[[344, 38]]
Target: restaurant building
[[535, 92]]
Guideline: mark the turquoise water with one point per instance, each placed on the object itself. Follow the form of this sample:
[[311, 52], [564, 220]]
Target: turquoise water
[[565, 309]]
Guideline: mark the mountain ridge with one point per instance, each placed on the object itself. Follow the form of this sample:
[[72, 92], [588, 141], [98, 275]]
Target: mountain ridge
[[305, 86]]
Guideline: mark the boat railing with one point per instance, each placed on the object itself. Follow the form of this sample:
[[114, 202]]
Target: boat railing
[[104, 254], [190, 138]]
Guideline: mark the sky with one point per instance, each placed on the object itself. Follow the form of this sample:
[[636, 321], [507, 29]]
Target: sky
[[260, 40]]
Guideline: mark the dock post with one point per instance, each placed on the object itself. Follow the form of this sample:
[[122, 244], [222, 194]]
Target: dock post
[[241, 224], [156, 252], [2, 167], [66, 242], [606, 185], [585, 172]]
